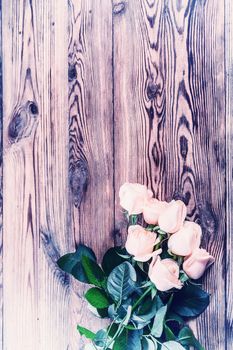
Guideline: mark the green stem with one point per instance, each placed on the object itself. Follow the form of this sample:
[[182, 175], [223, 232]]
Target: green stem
[[180, 260], [142, 297], [118, 332], [121, 326], [110, 326], [150, 336]]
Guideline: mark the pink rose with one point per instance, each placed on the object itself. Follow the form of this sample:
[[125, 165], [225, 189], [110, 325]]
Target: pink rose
[[140, 243], [186, 240], [133, 197], [152, 209], [164, 274], [194, 265], [172, 218]]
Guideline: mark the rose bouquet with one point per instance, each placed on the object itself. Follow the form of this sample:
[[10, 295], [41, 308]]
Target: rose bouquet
[[146, 288]]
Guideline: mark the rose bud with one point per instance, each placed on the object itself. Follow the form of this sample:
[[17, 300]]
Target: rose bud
[[152, 209], [164, 274], [140, 243], [133, 197], [186, 240], [196, 264], [172, 218]]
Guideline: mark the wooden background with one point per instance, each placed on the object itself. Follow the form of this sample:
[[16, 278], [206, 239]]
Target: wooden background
[[96, 93]]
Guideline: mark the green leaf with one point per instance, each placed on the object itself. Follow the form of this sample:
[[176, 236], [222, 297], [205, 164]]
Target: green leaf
[[186, 337], [123, 254], [68, 261], [128, 340], [153, 293], [172, 345], [171, 316], [131, 328], [79, 274], [157, 328], [93, 272], [122, 282], [101, 338], [97, 298], [190, 301], [111, 259], [145, 313], [86, 332], [121, 341], [134, 340], [112, 329], [145, 306], [102, 313], [168, 333], [148, 344], [159, 302], [71, 263]]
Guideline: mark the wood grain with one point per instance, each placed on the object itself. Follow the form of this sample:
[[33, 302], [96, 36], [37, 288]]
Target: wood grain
[[170, 121], [229, 170], [20, 236], [96, 93], [1, 194], [37, 305], [90, 133]]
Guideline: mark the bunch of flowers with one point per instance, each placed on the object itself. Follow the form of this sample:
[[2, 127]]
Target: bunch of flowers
[[146, 288]]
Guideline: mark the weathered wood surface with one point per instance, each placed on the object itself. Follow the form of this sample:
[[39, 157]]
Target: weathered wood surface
[[170, 109], [96, 94], [1, 156], [90, 134], [229, 172], [36, 302]]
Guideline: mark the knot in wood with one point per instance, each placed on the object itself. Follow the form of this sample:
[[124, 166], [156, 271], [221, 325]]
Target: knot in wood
[[184, 197], [33, 108], [119, 8], [152, 90], [183, 147], [78, 179], [150, 112], [72, 73], [22, 123], [49, 246], [208, 219]]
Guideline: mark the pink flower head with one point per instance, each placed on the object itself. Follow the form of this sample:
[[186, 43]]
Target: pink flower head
[[152, 209], [196, 264], [164, 274], [172, 218], [140, 243], [133, 197], [186, 240]]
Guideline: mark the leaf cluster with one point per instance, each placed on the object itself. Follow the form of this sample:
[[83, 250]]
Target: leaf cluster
[[142, 318]]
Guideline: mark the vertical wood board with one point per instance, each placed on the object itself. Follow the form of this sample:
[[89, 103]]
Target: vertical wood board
[[170, 121], [90, 135]]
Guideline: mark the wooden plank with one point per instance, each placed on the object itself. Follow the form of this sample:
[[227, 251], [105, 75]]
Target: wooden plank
[[20, 234], [90, 132], [56, 302], [1, 212], [170, 122], [229, 170], [37, 309]]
